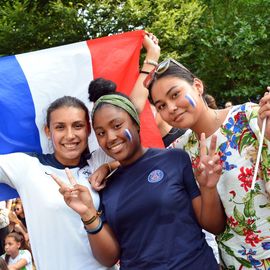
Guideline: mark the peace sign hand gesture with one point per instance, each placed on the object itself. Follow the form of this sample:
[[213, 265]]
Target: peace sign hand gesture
[[76, 196], [209, 169]]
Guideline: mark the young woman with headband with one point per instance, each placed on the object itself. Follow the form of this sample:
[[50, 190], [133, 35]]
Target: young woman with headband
[[152, 208]]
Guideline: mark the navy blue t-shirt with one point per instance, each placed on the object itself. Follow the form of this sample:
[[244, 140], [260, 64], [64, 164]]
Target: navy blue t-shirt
[[148, 204]]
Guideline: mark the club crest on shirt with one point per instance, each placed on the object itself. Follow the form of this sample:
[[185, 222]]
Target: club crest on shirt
[[155, 176]]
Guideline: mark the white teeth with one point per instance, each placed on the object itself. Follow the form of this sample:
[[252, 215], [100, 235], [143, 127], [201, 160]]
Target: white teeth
[[70, 145], [115, 147]]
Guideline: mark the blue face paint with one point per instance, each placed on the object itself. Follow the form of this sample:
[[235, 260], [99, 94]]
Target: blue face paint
[[128, 134], [191, 100]]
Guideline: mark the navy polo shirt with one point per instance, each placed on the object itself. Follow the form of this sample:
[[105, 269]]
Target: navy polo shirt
[[148, 204]]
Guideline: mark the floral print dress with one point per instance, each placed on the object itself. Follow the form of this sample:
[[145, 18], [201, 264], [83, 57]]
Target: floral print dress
[[245, 244]]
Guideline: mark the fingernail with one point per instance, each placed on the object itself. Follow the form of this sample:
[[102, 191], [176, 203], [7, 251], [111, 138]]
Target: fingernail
[[202, 166], [210, 162]]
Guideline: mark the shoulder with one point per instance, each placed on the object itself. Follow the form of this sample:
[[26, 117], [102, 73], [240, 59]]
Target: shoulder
[[182, 141], [17, 157], [168, 153], [249, 108], [24, 252]]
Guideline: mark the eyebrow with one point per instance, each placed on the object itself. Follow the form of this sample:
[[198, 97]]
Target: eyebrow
[[113, 120], [168, 92]]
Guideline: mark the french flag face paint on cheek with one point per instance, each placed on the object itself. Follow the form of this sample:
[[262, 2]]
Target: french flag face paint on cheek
[[128, 134], [191, 100]]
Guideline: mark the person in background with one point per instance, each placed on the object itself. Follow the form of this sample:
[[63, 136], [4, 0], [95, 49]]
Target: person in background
[[152, 202], [228, 104], [57, 236], [210, 101], [4, 224], [20, 212], [17, 254], [3, 264], [15, 225], [177, 95]]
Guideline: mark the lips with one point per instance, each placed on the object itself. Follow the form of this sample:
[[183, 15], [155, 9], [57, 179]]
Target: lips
[[178, 117], [116, 147], [71, 146]]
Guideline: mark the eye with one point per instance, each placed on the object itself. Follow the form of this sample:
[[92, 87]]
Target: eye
[[79, 126], [99, 133], [59, 127], [175, 95], [117, 126], [160, 107]]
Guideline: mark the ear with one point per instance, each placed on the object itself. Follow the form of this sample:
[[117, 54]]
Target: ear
[[198, 85], [47, 132]]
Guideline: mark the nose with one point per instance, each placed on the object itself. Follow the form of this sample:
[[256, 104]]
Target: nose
[[172, 107], [111, 135], [70, 133]]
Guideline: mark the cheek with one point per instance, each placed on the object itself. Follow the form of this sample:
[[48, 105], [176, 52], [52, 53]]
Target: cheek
[[101, 141], [54, 139], [85, 136], [165, 116]]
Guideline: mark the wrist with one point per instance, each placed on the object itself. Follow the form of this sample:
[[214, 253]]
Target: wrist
[[88, 215], [153, 54], [208, 190]]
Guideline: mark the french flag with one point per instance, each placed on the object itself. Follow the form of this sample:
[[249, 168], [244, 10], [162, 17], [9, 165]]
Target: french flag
[[29, 82]]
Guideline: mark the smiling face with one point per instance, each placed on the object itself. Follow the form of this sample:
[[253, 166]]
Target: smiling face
[[69, 131], [110, 124], [12, 246], [178, 102]]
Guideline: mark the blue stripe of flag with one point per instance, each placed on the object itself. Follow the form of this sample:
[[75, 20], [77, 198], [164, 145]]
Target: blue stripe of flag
[[18, 132]]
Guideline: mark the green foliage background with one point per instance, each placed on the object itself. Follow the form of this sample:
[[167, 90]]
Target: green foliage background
[[225, 43]]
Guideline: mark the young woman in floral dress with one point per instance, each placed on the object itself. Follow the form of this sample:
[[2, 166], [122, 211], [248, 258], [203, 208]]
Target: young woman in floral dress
[[178, 96]]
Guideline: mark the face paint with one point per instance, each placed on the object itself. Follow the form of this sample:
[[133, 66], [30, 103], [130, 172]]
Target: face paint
[[128, 134], [191, 100]]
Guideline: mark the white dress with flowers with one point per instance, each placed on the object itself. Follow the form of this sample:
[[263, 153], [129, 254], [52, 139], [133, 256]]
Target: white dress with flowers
[[245, 244]]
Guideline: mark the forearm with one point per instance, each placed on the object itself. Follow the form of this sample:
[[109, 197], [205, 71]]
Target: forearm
[[113, 165], [104, 245], [139, 94], [212, 217]]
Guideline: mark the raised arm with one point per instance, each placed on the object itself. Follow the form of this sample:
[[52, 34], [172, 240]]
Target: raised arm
[[139, 93], [264, 112], [104, 245], [208, 207]]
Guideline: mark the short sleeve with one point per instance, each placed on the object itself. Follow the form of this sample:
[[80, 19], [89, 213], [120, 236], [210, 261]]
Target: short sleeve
[[98, 158], [189, 179], [25, 254], [8, 164]]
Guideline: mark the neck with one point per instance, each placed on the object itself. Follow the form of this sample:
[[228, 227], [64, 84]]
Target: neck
[[134, 157], [209, 121], [164, 128], [13, 256]]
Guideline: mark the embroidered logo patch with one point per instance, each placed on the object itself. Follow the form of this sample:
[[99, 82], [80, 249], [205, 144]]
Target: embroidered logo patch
[[155, 176]]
